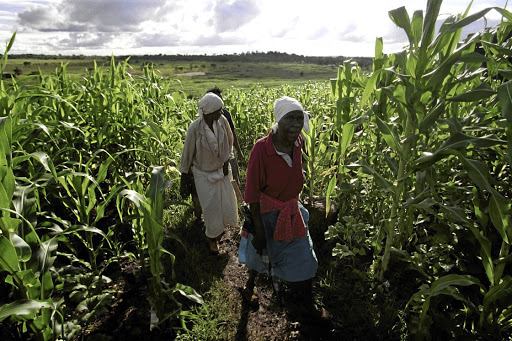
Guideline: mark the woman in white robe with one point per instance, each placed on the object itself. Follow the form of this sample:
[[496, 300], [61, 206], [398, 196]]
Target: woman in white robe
[[205, 160]]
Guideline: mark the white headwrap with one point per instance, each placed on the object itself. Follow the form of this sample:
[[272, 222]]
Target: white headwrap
[[283, 106], [208, 104]]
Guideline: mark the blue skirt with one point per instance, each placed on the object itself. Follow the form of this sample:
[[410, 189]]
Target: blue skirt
[[293, 262]]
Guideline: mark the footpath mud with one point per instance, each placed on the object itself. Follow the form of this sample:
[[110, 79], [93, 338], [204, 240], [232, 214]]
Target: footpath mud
[[128, 315], [268, 320]]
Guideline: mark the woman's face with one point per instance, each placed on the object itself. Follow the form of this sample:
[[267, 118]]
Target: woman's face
[[291, 125], [214, 116]]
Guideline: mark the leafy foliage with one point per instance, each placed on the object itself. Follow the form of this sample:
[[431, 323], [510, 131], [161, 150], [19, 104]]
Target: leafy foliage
[[416, 154], [433, 134]]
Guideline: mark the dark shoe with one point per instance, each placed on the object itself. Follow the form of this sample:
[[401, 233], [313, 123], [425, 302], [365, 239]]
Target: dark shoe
[[214, 245], [250, 297], [317, 315], [199, 223]]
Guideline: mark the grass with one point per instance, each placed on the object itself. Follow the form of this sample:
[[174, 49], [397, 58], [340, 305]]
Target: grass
[[242, 75], [216, 320]]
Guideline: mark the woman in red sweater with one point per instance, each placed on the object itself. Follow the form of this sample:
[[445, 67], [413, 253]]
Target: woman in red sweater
[[274, 181]]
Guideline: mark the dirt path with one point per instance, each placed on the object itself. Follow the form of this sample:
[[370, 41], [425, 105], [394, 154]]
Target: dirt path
[[268, 321], [128, 316], [265, 322]]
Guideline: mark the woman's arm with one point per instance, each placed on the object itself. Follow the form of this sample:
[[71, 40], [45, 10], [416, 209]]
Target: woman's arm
[[187, 155], [189, 148], [231, 125], [229, 132], [225, 167], [252, 195], [186, 181], [259, 241], [237, 147]]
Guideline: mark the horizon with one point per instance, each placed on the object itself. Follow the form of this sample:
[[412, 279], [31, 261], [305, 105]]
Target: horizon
[[182, 55]]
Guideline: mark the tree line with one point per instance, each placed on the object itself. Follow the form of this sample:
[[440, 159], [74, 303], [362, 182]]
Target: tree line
[[252, 57]]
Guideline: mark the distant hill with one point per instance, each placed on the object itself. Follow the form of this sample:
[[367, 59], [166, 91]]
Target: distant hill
[[254, 57]]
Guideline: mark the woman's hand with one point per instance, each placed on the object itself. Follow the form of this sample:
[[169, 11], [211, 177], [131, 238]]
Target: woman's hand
[[259, 242], [225, 168], [240, 156], [186, 185]]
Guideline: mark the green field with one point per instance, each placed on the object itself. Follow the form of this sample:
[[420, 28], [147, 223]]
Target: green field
[[184, 76]]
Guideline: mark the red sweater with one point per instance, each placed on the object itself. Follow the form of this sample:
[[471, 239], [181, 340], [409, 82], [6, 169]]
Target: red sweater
[[269, 173]]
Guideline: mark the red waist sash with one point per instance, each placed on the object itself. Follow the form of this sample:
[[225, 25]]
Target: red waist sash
[[289, 223]]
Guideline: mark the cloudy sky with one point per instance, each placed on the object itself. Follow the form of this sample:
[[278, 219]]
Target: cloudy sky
[[131, 27]]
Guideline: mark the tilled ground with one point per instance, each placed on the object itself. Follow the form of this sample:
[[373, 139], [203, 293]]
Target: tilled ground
[[268, 320], [128, 315]]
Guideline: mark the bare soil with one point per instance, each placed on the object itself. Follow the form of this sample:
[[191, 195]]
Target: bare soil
[[359, 309]]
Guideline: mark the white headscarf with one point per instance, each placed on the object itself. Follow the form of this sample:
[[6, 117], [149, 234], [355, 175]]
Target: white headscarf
[[283, 106], [208, 104]]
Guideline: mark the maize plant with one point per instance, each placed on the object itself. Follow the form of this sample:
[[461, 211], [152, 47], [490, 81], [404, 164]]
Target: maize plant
[[66, 150], [150, 207], [438, 132]]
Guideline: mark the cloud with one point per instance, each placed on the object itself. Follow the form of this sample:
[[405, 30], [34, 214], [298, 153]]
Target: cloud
[[157, 40], [6, 18], [85, 40], [41, 18], [113, 15], [318, 33], [351, 33], [92, 15], [284, 28], [231, 16], [218, 40]]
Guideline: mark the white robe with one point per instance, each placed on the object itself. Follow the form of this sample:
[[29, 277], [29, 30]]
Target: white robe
[[218, 202], [206, 152]]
